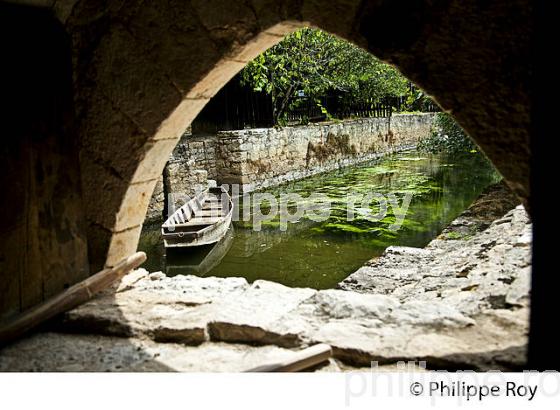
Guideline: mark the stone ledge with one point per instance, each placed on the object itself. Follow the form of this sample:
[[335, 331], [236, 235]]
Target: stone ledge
[[360, 327]]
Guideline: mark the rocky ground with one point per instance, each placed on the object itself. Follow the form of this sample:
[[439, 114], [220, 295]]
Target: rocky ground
[[480, 262], [460, 303]]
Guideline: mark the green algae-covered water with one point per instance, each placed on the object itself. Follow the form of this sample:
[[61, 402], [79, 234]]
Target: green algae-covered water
[[319, 254]]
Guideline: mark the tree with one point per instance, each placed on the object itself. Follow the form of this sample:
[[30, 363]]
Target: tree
[[315, 62], [446, 137]]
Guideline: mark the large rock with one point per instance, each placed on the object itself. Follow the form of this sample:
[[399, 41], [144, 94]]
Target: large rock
[[164, 309], [257, 316], [360, 327], [486, 270]]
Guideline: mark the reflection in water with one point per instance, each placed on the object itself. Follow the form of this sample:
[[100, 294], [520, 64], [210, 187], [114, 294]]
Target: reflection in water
[[321, 254], [198, 260]]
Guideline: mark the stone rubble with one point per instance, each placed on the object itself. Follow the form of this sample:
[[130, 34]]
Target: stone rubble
[[491, 270]]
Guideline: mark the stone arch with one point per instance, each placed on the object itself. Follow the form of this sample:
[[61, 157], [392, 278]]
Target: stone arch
[[143, 72], [135, 73], [158, 147]]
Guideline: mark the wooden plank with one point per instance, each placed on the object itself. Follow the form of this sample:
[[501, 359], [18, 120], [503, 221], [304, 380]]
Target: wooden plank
[[217, 212], [211, 204], [304, 359], [68, 299], [182, 235], [181, 215], [214, 205], [200, 221], [188, 212]]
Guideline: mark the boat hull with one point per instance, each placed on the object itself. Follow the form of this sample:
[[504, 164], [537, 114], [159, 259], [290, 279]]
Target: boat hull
[[193, 225], [216, 233]]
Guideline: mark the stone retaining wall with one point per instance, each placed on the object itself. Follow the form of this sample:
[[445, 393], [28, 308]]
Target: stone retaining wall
[[196, 153], [191, 164], [259, 158], [265, 157]]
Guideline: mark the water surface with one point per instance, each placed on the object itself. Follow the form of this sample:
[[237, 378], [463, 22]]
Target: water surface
[[321, 254]]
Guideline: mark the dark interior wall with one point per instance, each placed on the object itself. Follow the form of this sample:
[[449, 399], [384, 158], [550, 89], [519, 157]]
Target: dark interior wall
[[43, 247]]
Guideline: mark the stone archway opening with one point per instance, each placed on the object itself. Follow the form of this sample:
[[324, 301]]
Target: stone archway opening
[[135, 202], [268, 293], [132, 209], [140, 79]]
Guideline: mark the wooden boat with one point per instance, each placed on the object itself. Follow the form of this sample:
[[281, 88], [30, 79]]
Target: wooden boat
[[203, 220]]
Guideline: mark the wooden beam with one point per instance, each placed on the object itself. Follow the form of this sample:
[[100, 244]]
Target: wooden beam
[[299, 361], [68, 299]]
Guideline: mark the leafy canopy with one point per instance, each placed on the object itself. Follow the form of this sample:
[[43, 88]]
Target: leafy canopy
[[446, 137], [315, 62]]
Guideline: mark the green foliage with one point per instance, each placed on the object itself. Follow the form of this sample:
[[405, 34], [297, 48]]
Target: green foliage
[[417, 100], [315, 62], [446, 137]]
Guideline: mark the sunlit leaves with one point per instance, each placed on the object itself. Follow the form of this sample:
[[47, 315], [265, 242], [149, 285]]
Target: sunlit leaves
[[315, 62], [446, 137]]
